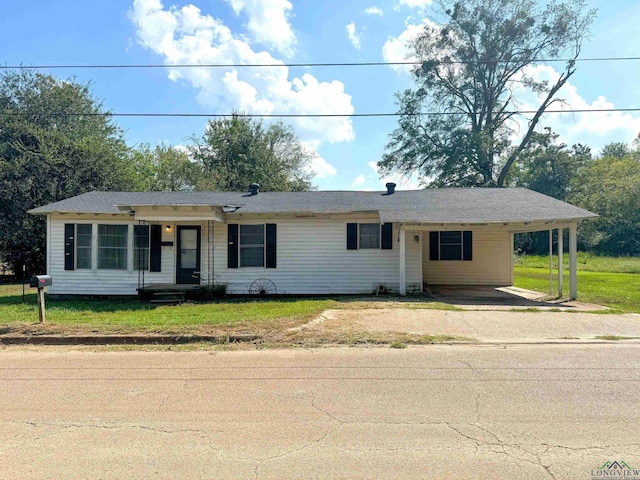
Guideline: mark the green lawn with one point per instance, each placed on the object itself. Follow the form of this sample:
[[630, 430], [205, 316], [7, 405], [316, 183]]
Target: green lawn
[[133, 314], [614, 282], [587, 262]]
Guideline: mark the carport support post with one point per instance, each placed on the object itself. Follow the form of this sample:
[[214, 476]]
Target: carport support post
[[403, 262], [573, 261], [550, 262], [560, 260]]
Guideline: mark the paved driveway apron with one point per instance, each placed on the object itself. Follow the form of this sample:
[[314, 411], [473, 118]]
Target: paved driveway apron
[[491, 326]]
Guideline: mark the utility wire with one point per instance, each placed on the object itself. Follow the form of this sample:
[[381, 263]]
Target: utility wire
[[295, 115], [292, 65]]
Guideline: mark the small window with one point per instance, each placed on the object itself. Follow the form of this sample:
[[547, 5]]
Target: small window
[[450, 245], [369, 235], [141, 247], [83, 245], [252, 245], [112, 247]]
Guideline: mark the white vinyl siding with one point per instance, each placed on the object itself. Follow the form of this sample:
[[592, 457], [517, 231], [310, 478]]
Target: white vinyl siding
[[101, 282], [491, 264], [312, 259]]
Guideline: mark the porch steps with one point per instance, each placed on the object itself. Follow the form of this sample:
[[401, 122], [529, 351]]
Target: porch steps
[[168, 297]]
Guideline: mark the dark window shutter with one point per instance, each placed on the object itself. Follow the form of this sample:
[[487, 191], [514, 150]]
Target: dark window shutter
[[467, 245], [387, 236], [155, 248], [69, 246], [434, 246], [271, 245], [232, 248], [352, 236]]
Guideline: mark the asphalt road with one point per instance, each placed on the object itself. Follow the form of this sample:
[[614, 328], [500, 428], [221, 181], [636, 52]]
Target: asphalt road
[[477, 412]]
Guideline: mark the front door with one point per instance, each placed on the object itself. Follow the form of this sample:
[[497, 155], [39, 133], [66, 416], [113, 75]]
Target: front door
[[188, 261]]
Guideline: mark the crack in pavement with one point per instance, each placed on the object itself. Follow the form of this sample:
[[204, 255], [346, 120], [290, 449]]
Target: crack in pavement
[[75, 425]]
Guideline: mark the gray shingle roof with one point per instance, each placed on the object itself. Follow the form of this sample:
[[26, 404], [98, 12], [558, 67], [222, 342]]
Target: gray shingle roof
[[445, 205]]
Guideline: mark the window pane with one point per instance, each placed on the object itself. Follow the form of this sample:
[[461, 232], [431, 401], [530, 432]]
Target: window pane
[[141, 247], [450, 252], [251, 256], [83, 246], [189, 239], [112, 246], [369, 235], [451, 238], [251, 234], [188, 258], [252, 245]]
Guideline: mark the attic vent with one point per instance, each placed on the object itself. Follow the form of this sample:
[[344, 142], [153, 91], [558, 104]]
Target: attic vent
[[254, 188], [391, 188]]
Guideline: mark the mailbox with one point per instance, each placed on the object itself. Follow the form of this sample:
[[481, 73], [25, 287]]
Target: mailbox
[[40, 281]]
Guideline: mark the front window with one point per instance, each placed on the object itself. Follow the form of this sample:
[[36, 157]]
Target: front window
[[450, 245], [369, 235], [83, 245], [112, 247], [252, 245], [141, 247]]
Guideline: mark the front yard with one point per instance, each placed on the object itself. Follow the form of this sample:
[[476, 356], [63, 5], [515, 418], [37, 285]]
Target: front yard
[[611, 282], [272, 318], [122, 316]]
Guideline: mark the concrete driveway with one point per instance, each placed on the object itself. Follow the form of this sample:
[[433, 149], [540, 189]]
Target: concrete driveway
[[438, 412], [486, 326], [480, 297]]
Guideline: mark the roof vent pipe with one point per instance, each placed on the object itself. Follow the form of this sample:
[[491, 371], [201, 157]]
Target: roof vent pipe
[[391, 188], [254, 188]]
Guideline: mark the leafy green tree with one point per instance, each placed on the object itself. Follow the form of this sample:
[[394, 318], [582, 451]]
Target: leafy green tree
[[239, 151], [454, 126], [164, 169], [54, 143], [615, 150], [609, 187], [547, 166]]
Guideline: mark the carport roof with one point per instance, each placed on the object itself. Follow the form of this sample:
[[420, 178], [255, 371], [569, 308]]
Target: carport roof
[[444, 205]]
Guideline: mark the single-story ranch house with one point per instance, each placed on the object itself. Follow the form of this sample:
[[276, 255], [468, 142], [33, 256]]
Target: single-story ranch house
[[317, 242]]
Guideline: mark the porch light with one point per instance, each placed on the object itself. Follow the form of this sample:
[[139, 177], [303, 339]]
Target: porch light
[[168, 228]]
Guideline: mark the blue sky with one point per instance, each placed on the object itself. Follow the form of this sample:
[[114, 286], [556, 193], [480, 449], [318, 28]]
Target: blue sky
[[290, 31]]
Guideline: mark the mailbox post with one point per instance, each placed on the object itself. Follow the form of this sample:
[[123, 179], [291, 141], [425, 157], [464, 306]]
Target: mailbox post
[[39, 282]]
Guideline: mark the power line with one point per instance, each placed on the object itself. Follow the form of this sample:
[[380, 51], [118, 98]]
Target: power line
[[294, 65], [296, 115]]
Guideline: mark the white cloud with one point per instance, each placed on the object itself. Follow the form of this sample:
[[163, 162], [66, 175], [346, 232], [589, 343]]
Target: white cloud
[[268, 22], [320, 167], [186, 36], [374, 11], [594, 129], [353, 35], [359, 181], [396, 49], [420, 4]]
